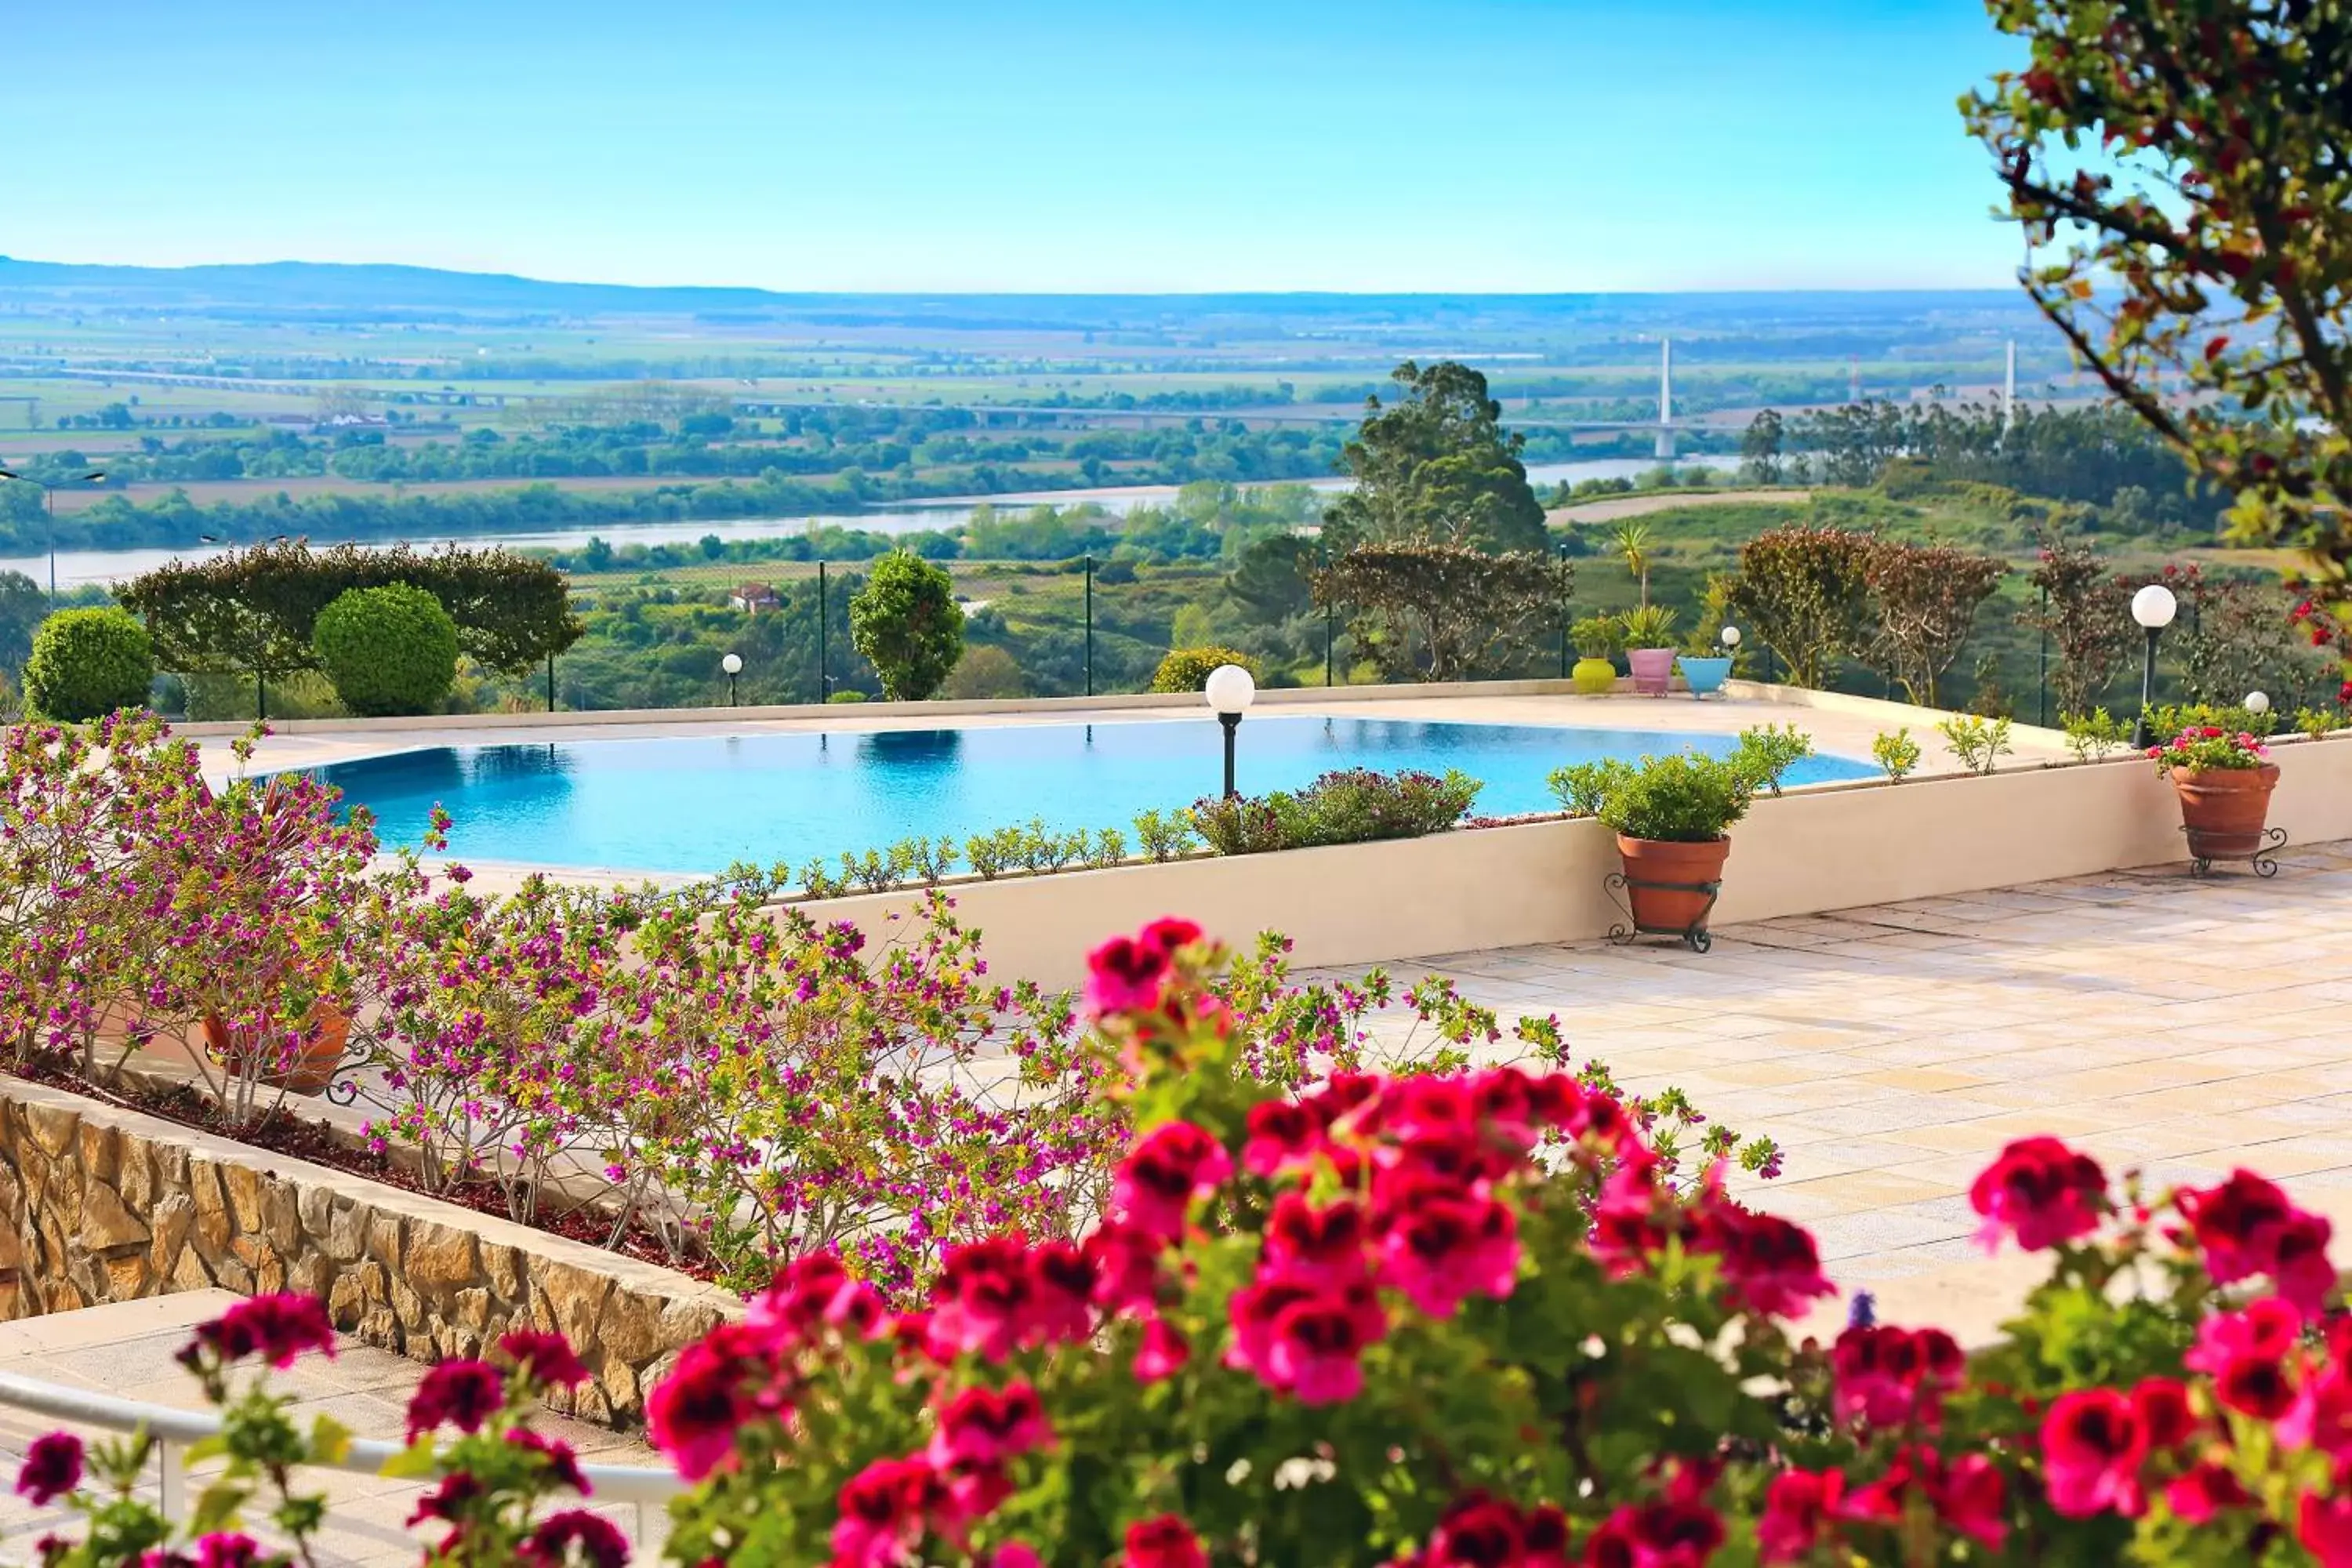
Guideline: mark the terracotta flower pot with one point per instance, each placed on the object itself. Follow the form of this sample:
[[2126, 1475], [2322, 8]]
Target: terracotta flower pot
[[312, 1066], [1671, 887], [1594, 677], [1654, 670], [2224, 808]]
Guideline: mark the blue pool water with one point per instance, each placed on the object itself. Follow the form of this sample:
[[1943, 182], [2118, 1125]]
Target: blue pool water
[[699, 804]]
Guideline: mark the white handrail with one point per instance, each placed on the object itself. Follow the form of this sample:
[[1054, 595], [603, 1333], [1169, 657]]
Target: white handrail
[[646, 1491]]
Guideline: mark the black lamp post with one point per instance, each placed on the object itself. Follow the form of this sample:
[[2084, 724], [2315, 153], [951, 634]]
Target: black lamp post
[[49, 505], [1230, 692], [2153, 607]]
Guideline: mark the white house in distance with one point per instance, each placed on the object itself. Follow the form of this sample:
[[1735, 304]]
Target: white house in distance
[[753, 597]]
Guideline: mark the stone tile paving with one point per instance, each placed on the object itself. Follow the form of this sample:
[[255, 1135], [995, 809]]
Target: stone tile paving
[[126, 1350], [2175, 1024]]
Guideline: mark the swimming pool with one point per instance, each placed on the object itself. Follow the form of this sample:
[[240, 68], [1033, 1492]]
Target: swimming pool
[[696, 804]]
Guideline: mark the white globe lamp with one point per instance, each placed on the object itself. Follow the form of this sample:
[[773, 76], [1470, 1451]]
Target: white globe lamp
[[1230, 691]]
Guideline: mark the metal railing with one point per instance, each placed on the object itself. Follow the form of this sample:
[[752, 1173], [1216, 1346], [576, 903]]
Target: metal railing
[[647, 1493]]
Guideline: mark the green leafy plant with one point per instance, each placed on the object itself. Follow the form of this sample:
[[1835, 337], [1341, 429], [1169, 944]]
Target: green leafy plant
[[997, 851], [2318, 721], [1896, 751], [1804, 591], [907, 623], [1978, 743], [2092, 735], [1164, 836], [1765, 753], [88, 663], [1635, 542], [388, 650], [1649, 626], [847, 695], [1597, 636], [1187, 668], [1445, 611], [929, 860], [1107, 848], [817, 881], [1679, 797], [1925, 601], [2167, 720], [1349, 805]]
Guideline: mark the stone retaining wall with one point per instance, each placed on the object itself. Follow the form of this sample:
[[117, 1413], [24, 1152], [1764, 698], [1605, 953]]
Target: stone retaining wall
[[98, 1203]]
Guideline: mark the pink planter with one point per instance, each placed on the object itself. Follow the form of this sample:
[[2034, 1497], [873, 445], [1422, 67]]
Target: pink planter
[[1654, 670]]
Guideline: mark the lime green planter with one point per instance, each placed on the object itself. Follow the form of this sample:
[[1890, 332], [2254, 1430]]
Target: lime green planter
[[1594, 677]]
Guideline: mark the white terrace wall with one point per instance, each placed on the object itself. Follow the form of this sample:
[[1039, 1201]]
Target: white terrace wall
[[1822, 847]]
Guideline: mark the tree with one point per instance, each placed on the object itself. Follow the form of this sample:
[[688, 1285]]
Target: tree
[[1436, 468], [1444, 611], [1759, 448], [1803, 590], [88, 663], [984, 671], [1269, 582], [1927, 596], [22, 607], [1187, 669], [388, 650], [1633, 544], [2199, 260], [2086, 617], [907, 623]]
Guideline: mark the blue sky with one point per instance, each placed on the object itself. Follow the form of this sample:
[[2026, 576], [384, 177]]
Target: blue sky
[[1535, 146]]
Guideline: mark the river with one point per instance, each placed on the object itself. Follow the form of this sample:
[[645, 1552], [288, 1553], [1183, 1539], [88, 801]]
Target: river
[[76, 568]]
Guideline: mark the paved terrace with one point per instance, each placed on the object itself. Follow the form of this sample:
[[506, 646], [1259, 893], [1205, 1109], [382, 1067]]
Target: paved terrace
[[2181, 1027]]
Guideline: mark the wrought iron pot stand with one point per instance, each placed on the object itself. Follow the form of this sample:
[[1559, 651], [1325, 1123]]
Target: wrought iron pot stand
[[2263, 857], [1693, 936]]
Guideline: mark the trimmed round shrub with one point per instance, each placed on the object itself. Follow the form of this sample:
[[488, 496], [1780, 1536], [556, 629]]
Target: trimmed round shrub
[[907, 623], [1187, 668], [88, 663], [388, 650]]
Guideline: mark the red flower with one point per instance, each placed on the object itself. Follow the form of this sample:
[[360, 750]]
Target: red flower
[[1438, 1247], [228, 1550], [1126, 1266], [1315, 1245], [563, 1462], [1303, 1340], [693, 1414], [1481, 1532], [1162, 1351], [815, 1290], [2246, 1226], [1283, 1136], [52, 1468], [276, 1328], [2092, 1446], [984, 1299], [2042, 1192], [1669, 1535], [2161, 1408], [1061, 1283], [884, 1512], [1170, 1166], [460, 1394], [1168, 933], [2324, 1525], [1888, 1377], [1800, 1511], [543, 1356], [987, 1427], [600, 1543], [1167, 1541], [1769, 1265], [1124, 975], [2265, 1329], [1969, 1498], [2204, 1490]]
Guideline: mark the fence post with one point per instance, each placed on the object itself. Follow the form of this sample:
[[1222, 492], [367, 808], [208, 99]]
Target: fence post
[[551, 683], [172, 1481], [1565, 599], [820, 632], [2044, 706], [1091, 626]]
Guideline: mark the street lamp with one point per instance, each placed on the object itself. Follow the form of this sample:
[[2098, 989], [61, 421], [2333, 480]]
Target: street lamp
[[50, 503], [2153, 607], [733, 665], [1230, 692]]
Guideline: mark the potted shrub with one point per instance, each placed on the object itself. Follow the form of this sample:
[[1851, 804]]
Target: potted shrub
[[1649, 634], [2224, 781], [1670, 814], [1705, 665], [1596, 647]]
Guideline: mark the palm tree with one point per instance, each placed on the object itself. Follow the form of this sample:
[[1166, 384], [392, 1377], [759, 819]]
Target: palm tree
[[1633, 544]]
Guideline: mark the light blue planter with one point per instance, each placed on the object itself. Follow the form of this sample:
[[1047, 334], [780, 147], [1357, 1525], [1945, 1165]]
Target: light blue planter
[[1704, 675]]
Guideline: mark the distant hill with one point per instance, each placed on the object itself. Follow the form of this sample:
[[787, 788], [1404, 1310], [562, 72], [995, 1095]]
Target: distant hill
[[322, 289]]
